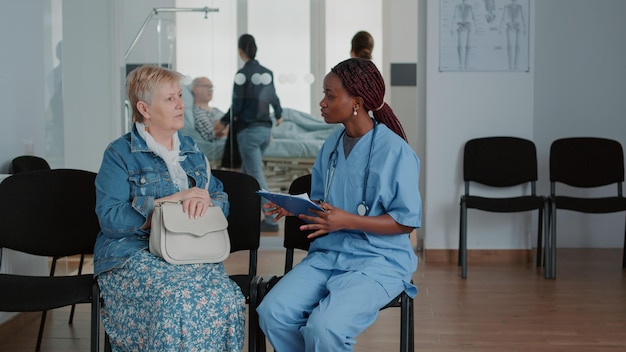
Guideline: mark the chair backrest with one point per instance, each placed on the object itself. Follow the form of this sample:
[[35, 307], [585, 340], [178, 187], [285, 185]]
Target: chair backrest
[[244, 219], [49, 212], [586, 162], [26, 163], [500, 161], [294, 238]]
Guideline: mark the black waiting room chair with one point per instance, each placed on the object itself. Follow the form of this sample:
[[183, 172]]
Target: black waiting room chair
[[584, 163], [500, 163], [244, 229], [49, 213], [296, 239], [28, 163]]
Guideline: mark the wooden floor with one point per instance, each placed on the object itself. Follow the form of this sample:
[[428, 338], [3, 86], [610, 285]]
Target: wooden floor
[[499, 308]]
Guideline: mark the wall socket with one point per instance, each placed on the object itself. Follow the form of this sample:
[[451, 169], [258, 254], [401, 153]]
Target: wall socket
[[29, 147]]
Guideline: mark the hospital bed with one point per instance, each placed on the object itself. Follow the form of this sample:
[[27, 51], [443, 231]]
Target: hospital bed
[[294, 147], [291, 153]]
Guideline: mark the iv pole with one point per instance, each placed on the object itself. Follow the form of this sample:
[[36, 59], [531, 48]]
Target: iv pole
[[155, 11]]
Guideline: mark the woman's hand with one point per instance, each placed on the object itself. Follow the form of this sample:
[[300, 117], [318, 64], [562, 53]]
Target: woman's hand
[[335, 219], [195, 201], [329, 220]]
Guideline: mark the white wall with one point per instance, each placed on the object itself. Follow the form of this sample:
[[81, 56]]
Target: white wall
[[575, 88], [22, 78], [23, 85], [461, 106], [400, 36], [580, 90], [90, 81], [400, 21]]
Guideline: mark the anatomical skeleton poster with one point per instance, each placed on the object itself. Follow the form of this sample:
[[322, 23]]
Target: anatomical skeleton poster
[[484, 35]]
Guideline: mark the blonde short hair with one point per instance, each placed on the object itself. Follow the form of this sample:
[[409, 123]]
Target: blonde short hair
[[143, 82]]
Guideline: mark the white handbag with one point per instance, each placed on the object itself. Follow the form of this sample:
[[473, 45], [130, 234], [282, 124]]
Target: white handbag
[[181, 240]]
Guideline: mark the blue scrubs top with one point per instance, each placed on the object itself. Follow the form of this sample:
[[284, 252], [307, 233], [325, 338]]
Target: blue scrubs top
[[392, 188]]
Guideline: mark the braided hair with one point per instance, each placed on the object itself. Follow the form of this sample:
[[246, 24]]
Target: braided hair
[[361, 78]]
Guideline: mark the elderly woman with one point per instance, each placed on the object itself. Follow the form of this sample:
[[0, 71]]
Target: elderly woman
[[149, 304]]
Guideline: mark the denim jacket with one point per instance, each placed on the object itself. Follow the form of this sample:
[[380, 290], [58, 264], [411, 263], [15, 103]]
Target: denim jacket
[[131, 177]]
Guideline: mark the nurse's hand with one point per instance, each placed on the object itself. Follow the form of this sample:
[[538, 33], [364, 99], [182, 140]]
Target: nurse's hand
[[272, 209], [335, 219], [329, 220]]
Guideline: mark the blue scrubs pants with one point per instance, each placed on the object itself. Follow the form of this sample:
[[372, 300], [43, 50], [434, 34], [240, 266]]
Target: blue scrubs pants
[[311, 309]]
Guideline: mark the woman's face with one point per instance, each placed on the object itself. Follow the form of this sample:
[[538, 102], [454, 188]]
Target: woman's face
[[166, 113], [337, 104]]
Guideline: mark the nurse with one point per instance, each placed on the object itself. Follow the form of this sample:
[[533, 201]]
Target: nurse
[[366, 175]]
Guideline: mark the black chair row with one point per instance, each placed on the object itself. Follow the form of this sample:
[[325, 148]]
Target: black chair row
[[51, 213], [504, 162], [28, 163]]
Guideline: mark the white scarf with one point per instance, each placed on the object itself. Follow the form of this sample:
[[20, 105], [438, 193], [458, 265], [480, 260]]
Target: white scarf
[[172, 157]]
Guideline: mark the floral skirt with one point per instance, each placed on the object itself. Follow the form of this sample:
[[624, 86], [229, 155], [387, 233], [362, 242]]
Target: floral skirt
[[151, 305]]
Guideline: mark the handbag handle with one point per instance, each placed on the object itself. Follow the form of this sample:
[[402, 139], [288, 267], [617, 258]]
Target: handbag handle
[[168, 201]]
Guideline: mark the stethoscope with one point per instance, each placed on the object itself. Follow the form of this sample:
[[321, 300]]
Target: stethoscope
[[361, 209]]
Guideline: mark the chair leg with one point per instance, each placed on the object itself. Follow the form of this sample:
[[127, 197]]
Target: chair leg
[[411, 325], [95, 317], [265, 285], [551, 255], [253, 318], [406, 323], [107, 343], [459, 259], [463, 240], [540, 226], [624, 253], [547, 227], [42, 323], [80, 271]]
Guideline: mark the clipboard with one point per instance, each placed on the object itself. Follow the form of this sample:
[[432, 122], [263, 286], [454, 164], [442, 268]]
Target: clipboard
[[294, 203]]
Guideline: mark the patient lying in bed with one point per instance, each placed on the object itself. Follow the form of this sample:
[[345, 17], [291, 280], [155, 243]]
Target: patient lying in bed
[[300, 136]]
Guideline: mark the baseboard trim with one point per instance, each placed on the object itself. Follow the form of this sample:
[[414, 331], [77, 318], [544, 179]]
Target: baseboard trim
[[450, 256]]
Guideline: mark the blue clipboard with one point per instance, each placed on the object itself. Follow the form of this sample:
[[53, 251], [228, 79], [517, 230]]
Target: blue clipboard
[[294, 203]]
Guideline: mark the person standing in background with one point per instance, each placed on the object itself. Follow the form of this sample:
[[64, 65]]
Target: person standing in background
[[362, 45], [253, 94]]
